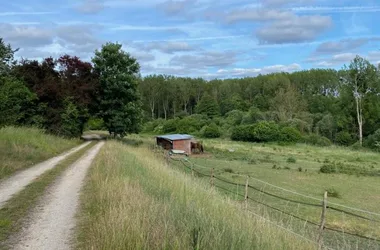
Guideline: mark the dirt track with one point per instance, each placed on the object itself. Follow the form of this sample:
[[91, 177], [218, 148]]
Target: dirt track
[[19, 181], [51, 224]]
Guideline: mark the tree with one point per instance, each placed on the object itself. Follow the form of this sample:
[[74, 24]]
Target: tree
[[149, 90], [288, 102], [15, 101], [207, 106], [120, 105], [361, 80], [6, 57]]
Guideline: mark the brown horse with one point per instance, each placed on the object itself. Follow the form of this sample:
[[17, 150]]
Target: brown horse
[[196, 147]]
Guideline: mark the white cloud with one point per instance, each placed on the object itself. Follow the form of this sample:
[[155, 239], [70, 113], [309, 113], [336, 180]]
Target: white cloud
[[294, 30]]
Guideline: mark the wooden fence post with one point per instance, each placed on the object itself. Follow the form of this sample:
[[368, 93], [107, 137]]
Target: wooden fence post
[[212, 177], [246, 193], [323, 221]]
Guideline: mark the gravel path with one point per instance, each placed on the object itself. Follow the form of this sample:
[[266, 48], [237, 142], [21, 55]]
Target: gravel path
[[51, 225], [19, 181]]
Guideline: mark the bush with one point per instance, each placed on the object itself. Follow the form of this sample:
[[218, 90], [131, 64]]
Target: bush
[[328, 169], [95, 124], [331, 192], [344, 138], [211, 131], [191, 124], [228, 170], [290, 134], [317, 140], [243, 133], [266, 131], [373, 141], [291, 159], [170, 126]]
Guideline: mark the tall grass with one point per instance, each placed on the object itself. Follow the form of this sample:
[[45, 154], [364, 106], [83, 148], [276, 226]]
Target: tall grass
[[132, 200], [21, 147]]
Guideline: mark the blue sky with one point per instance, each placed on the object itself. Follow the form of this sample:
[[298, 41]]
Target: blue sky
[[205, 38]]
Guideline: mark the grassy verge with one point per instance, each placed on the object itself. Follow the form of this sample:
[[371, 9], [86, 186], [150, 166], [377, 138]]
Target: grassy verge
[[133, 201], [15, 210], [21, 147]]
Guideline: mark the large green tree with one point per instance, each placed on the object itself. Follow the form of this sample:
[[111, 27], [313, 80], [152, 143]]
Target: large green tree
[[120, 105]]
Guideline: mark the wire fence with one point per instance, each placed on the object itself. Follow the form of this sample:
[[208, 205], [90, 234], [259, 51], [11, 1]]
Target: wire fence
[[298, 202]]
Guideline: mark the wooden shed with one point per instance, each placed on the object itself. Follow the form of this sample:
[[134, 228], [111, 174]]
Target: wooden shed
[[175, 142]]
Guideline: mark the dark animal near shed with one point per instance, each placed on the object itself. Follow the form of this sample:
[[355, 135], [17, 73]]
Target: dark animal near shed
[[196, 147]]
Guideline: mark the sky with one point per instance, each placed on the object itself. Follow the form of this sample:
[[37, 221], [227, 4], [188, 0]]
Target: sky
[[199, 38]]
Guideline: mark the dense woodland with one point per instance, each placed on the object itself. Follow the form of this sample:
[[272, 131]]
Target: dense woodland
[[67, 95]]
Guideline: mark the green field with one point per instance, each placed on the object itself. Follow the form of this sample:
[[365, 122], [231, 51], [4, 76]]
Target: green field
[[22, 147], [296, 168]]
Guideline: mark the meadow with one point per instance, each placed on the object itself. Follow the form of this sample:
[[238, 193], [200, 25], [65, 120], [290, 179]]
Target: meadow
[[296, 168]]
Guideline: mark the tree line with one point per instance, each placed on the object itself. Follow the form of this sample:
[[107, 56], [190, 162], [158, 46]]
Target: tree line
[[341, 106]]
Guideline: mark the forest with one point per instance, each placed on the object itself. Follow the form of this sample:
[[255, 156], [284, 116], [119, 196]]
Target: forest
[[67, 95]]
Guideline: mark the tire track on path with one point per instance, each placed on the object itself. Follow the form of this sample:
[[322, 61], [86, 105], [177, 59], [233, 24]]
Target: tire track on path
[[19, 181], [51, 224]]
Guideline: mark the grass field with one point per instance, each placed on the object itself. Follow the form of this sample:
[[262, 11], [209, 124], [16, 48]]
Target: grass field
[[21, 147], [133, 200], [296, 168]]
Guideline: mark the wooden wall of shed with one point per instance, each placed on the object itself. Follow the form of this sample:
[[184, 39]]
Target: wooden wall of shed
[[184, 145]]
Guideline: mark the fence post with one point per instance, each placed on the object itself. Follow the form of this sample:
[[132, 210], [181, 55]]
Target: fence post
[[212, 177], [323, 221], [246, 193]]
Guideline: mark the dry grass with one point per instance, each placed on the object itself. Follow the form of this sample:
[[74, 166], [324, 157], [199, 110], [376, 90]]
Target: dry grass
[[133, 201], [22, 147]]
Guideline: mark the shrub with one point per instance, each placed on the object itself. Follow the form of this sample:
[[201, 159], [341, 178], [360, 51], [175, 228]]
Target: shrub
[[211, 131], [191, 124], [356, 146], [228, 170], [243, 133], [317, 140], [95, 124], [290, 134], [331, 192], [328, 169], [373, 140], [291, 159], [170, 126], [266, 131], [300, 169], [344, 138]]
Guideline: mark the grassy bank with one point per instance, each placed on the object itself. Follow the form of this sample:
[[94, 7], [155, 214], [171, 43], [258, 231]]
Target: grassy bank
[[21, 147], [132, 200], [13, 213]]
